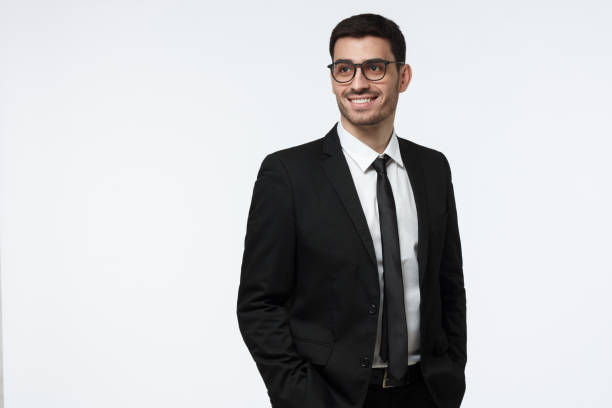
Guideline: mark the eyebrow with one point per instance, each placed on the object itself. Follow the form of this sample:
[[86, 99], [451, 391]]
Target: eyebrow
[[368, 60]]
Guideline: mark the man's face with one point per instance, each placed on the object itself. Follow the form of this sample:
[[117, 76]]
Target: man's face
[[383, 94]]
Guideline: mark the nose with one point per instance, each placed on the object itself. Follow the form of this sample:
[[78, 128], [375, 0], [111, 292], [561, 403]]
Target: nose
[[359, 81]]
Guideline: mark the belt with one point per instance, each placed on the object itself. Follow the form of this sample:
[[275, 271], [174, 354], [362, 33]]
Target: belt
[[380, 379]]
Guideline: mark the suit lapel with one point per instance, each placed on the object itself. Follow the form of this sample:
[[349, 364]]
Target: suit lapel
[[337, 170], [417, 181]]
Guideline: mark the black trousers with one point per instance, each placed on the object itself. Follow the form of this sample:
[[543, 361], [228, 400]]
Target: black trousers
[[414, 395]]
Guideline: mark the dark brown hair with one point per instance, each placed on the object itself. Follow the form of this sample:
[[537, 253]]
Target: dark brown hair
[[360, 25]]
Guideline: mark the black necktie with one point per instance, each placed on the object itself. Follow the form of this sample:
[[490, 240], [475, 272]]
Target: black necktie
[[394, 337]]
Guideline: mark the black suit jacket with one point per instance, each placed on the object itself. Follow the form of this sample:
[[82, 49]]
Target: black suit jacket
[[309, 280]]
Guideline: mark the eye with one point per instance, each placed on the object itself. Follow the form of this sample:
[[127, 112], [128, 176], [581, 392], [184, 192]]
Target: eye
[[342, 68], [376, 66]]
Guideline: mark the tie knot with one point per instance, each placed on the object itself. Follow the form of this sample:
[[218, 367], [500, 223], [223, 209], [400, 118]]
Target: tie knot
[[380, 164]]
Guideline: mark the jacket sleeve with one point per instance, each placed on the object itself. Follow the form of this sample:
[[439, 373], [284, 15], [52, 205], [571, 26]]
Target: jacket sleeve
[[452, 288], [266, 284]]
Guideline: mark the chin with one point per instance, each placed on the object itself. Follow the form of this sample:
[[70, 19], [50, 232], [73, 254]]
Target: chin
[[369, 119], [363, 121]]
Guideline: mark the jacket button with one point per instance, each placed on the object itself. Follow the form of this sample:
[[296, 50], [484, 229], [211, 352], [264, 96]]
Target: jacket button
[[364, 362], [372, 309]]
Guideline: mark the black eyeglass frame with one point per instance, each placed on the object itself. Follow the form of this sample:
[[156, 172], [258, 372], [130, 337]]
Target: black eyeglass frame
[[331, 68]]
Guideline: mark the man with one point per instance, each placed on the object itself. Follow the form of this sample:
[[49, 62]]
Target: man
[[351, 292]]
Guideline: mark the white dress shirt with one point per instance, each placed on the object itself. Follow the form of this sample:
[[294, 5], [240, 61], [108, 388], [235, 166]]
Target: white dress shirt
[[359, 157]]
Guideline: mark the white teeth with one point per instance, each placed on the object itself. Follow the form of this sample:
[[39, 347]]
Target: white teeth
[[361, 100]]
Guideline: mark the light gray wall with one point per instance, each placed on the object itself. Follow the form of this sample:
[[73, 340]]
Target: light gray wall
[[131, 134], [1, 349]]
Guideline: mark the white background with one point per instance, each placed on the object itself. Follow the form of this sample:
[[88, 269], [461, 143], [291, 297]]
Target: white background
[[131, 133]]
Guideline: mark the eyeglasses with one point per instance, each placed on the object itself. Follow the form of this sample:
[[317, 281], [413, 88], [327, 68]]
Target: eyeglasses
[[373, 70]]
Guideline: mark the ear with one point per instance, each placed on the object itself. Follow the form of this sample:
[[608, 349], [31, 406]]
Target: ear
[[405, 77]]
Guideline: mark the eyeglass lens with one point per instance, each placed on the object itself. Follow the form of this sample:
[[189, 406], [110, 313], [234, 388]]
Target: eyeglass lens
[[344, 71]]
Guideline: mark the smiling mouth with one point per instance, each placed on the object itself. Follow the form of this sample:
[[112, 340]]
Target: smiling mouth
[[362, 101]]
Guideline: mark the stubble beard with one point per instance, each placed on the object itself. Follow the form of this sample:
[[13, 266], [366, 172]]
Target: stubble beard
[[372, 119]]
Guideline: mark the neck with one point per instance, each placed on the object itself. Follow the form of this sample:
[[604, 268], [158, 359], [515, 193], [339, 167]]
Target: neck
[[376, 136]]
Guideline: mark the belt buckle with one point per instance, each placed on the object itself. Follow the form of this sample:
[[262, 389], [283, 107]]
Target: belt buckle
[[385, 377]]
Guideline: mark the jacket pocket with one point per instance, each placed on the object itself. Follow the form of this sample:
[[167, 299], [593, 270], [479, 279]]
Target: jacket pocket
[[316, 351]]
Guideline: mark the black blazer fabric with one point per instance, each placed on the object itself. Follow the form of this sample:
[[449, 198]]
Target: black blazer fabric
[[308, 297]]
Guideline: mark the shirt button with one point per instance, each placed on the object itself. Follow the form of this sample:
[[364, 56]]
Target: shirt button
[[372, 309], [364, 362]]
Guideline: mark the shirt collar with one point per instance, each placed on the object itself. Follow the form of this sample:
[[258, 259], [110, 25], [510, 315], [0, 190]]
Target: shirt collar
[[363, 154]]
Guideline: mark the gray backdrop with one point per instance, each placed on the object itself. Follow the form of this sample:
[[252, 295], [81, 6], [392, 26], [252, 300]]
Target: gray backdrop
[[130, 137]]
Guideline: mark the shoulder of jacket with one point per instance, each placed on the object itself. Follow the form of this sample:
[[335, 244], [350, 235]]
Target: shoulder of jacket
[[298, 150], [425, 152], [301, 153]]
